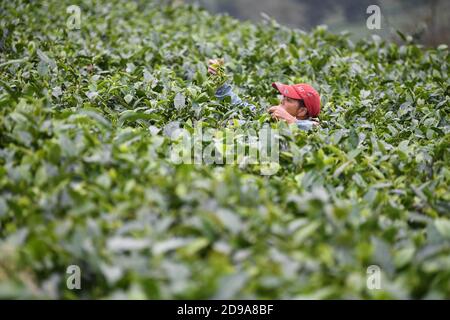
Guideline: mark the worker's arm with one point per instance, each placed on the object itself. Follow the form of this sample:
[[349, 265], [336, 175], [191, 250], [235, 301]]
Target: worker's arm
[[216, 70], [227, 91]]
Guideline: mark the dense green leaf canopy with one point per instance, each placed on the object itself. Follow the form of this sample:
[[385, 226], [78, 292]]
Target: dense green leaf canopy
[[85, 178]]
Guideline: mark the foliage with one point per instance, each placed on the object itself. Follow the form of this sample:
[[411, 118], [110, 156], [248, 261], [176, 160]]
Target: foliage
[[85, 177]]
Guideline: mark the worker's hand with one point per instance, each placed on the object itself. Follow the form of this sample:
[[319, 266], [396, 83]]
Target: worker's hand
[[216, 70], [278, 113], [211, 65]]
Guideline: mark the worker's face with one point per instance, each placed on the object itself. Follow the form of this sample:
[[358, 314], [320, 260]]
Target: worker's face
[[292, 106]]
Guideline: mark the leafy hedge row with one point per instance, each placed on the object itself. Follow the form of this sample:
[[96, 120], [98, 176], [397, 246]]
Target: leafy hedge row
[[85, 178]]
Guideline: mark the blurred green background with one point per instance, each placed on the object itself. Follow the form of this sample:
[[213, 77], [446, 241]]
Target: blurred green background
[[426, 20]]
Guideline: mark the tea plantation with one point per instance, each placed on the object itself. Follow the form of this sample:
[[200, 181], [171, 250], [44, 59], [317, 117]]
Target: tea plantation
[[87, 114]]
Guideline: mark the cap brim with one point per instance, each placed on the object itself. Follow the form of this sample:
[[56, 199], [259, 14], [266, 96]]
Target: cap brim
[[286, 90]]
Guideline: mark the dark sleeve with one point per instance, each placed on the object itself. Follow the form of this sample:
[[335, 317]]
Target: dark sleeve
[[227, 91]]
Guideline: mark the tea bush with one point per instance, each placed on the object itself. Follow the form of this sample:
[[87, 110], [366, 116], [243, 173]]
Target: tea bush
[[86, 178]]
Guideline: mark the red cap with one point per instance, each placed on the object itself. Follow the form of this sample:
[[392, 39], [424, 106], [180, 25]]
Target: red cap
[[301, 91]]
